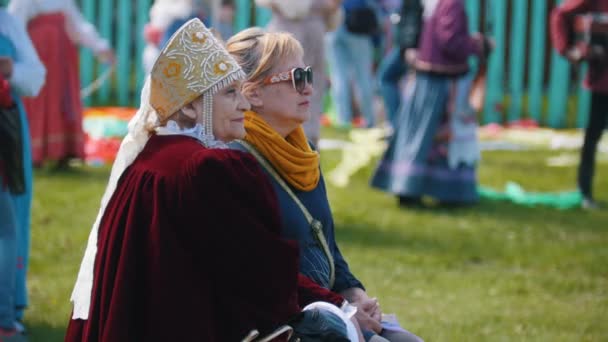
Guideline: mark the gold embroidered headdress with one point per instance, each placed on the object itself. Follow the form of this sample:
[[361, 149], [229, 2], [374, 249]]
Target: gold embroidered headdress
[[193, 63]]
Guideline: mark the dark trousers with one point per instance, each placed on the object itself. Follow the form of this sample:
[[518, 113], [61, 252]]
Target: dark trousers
[[598, 117]]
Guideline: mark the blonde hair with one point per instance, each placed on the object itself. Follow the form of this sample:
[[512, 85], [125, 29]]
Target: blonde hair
[[257, 51]]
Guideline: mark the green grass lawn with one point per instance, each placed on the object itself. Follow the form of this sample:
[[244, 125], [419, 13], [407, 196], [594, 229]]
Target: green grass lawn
[[494, 272]]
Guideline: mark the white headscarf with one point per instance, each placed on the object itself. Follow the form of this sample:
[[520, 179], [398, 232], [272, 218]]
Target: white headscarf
[[130, 148]]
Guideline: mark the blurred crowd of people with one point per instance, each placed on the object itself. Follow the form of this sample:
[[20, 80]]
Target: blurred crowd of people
[[415, 56], [250, 113]]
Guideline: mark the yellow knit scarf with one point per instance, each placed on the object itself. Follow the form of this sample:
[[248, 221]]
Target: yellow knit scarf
[[291, 156]]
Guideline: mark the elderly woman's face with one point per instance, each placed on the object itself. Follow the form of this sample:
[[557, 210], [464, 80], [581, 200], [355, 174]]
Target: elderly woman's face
[[229, 106]]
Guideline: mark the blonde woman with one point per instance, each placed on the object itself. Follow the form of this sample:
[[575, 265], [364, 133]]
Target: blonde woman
[[279, 87]]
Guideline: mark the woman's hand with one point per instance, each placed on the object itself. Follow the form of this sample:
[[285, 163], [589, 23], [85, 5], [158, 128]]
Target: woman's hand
[[372, 308], [410, 56], [367, 317], [576, 54], [6, 67], [376, 313], [368, 310]]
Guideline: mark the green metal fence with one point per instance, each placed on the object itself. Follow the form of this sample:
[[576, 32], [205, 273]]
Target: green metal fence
[[121, 22], [526, 78]]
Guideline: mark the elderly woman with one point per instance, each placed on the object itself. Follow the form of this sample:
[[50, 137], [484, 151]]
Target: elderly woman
[[21, 74], [279, 88], [186, 244]]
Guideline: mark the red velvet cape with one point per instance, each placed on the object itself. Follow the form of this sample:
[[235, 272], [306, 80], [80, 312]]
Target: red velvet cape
[[189, 250]]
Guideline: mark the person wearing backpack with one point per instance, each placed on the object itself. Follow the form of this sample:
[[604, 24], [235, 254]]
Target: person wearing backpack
[[350, 58], [406, 30]]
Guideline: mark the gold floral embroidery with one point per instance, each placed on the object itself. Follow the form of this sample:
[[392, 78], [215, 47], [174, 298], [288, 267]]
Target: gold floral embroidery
[[220, 68], [172, 69], [199, 37]]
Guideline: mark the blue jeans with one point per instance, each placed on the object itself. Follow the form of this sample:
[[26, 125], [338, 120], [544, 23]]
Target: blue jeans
[[8, 259], [390, 72], [350, 58]]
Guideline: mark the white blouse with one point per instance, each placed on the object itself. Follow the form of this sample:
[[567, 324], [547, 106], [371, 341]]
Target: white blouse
[[79, 29], [197, 132], [172, 128], [28, 71]]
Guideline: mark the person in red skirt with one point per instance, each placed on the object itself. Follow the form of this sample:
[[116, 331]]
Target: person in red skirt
[[56, 27]]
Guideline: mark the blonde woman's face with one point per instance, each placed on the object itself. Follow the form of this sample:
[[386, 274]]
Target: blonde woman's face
[[282, 106], [229, 106]]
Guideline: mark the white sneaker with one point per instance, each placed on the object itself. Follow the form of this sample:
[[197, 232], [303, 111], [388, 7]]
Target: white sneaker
[[589, 204]]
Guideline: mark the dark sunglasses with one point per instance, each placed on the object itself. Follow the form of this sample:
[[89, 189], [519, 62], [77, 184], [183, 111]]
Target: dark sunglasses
[[299, 77]]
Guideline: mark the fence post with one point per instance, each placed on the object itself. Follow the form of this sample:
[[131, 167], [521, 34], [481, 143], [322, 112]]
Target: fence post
[[143, 14], [262, 16], [558, 90], [536, 67], [86, 55], [518, 54], [243, 15], [474, 15], [494, 92], [123, 66], [106, 8]]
